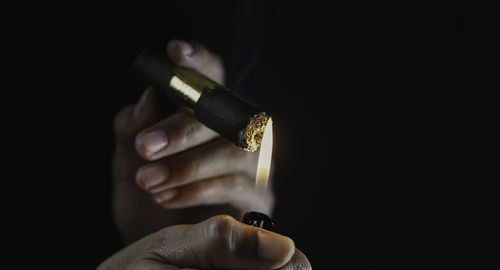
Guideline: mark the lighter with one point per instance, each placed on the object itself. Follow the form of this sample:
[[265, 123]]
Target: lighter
[[258, 219]]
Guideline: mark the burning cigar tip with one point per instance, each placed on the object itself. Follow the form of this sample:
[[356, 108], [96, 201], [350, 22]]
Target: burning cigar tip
[[254, 132]]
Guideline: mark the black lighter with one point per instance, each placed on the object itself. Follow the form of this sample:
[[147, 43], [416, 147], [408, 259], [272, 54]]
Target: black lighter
[[258, 219]]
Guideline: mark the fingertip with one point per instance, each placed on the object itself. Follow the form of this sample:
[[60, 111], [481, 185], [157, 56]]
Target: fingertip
[[151, 145], [181, 52], [274, 248], [131, 119], [139, 180], [140, 148], [298, 261], [141, 108], [165, 196], [150, 176]]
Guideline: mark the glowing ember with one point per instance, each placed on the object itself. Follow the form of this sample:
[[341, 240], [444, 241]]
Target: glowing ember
[[264, 165]]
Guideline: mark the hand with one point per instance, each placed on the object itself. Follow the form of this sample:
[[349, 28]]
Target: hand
[[217, 243], [189, 172]]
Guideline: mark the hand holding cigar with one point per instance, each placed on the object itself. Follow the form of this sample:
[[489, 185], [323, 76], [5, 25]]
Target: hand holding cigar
[[182, 165]]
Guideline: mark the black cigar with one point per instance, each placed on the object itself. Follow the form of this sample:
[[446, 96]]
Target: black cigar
[[213, 105]]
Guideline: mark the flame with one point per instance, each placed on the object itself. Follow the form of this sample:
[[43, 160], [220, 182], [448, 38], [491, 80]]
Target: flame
[[264, 163]]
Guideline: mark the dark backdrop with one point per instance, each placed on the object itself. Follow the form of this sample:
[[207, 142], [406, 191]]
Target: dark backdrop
[[370, 102]]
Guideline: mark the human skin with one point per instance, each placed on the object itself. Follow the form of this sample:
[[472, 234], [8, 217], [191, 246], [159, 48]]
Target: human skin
[[220, 242], [176, 170]]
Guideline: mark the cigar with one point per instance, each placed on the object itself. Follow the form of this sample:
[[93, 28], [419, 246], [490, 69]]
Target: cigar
[[212, 104]]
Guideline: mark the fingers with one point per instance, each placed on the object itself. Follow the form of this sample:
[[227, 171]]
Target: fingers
[[151, 143], [172, 135], [127, 123], [222, 242], [196, 56], [235, 189], [166, 137], [216, 158], [213, 173]]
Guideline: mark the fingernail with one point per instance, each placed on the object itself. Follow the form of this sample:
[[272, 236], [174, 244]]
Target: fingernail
[[150, 176], [153, 142], [273, 247], [183, 46], [165, 196], [141, 107]]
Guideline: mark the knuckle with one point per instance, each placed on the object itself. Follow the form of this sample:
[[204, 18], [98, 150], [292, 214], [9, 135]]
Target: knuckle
[[226, 230], [197, 193], [184, 169], [188, 128], [239, 183], [187, 170], [224, 223], [188, 124]]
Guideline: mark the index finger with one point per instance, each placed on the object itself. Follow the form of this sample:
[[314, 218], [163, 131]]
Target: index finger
[[174, 134]]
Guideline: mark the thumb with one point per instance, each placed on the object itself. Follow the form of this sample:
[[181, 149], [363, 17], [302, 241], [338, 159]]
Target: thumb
[[196, 56], [221, 242]]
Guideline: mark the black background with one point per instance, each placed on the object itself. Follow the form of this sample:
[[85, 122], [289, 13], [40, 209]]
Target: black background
[[374, 104]]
